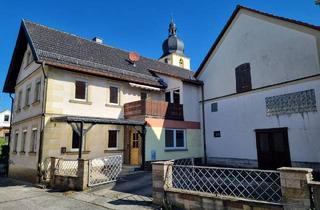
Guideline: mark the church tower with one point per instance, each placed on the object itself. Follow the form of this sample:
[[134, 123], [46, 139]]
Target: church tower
[[173, 49]]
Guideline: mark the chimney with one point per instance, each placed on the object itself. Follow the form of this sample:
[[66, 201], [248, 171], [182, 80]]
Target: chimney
[[97, 40]]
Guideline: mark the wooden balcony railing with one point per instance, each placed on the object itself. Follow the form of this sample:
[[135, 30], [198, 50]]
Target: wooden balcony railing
[[153, 108]]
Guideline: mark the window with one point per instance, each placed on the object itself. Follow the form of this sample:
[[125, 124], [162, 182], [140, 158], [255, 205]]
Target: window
[[6, 118], [135, 140], [37, 91], [81, 90], [76, 140], [23, 141], [143, 95], [216, 134], [19, 101], [114, 95], [181, 62], [214, 107], [33, 143], [166, 60], [175, 139], [243, 78], [15, 142], [113, 139], [176, 96], [27, 99], [168, 97]]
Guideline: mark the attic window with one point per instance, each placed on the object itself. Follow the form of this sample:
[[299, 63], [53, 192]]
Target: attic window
[[243, 78]]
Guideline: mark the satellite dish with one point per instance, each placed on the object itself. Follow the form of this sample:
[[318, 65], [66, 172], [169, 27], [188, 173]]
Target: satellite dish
[[134, 57]]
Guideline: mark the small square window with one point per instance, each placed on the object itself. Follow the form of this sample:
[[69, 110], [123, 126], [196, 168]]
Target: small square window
[[216, 134], [6, 118], [214, 107]]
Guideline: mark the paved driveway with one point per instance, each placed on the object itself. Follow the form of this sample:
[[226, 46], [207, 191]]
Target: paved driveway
[[23, 196], [130, 192]]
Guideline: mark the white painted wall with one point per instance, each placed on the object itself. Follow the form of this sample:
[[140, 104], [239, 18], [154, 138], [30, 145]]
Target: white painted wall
[[239, 116], [2, 116], [276, 52], [191, 105]]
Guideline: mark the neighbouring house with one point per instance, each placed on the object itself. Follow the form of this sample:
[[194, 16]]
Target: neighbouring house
[[78, 98], [5, 124], [262, 92]]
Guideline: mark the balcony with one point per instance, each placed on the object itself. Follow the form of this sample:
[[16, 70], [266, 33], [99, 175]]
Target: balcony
[[152, 108]]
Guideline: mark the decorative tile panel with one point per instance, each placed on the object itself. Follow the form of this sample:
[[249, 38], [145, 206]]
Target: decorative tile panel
[[298, 102]]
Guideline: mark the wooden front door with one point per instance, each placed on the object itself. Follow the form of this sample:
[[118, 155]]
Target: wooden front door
[[273, 148], [134, 148]]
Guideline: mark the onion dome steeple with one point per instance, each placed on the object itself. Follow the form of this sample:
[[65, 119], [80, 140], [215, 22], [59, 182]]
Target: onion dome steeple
[[172, 44]]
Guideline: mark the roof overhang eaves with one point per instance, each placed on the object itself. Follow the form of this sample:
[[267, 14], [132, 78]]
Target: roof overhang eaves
[[96, 120], [100, 73]]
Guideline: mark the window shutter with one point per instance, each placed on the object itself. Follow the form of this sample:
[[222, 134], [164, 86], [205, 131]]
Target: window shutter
[[243, 78]]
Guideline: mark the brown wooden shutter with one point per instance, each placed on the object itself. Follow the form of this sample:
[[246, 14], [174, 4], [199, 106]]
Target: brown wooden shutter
[[243, 78]]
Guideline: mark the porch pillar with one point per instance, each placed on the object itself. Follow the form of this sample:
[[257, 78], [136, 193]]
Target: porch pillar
[[81, 141]]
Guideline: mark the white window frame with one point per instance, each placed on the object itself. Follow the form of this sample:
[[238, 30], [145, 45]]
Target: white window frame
[[171, 93], [109, 94], [175, 140], [86, 91], [117, 140], [34, 142]]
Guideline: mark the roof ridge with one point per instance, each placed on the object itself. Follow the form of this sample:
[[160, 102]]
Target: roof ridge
[[103, 44]]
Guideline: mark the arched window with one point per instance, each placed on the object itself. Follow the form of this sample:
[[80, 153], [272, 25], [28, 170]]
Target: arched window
[[181, 64]]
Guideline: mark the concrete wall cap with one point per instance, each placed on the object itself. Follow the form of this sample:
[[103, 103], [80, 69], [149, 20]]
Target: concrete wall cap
[[293, 169], [162, 163]]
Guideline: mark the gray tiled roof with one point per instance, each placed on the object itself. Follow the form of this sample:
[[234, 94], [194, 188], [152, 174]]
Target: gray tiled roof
[[59, 47]]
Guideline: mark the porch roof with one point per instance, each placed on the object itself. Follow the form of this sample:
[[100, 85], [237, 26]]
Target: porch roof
[[96, 120]]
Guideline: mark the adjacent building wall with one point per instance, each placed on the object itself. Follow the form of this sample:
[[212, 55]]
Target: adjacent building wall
[[278, 52]]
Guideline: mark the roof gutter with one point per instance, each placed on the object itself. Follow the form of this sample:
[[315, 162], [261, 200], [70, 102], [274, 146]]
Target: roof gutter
[[44, 102], [203, 126]]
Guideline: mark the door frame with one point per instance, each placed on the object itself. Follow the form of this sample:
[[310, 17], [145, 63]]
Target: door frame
[[284, 130]]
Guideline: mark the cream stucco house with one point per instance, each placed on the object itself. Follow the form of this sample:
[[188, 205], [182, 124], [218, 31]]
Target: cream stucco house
[[78, 98]]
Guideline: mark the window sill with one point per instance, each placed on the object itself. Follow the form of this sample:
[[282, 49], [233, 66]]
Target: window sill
[[22, 153], [14, 152], [78, 101], [32, 153], [18, 110], [113, 105], [36, 103], [175, 149], [113, 150], [74, 152]]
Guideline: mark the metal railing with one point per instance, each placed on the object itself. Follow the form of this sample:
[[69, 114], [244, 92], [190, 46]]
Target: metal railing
[[184, 161], [67, 167], [104, 170], [259, 185]]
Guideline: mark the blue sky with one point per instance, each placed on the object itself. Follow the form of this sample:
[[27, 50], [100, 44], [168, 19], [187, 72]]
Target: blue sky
[[137, 25]]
